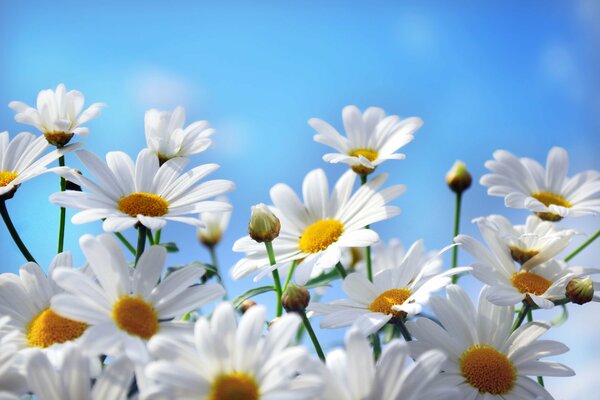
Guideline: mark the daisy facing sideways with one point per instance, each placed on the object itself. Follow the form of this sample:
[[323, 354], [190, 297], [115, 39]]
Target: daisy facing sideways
[[371, 138], [548, 192], [214, 225], [394, 294], [315, 231], [125, 307], [485, 360], [390, 255], [126, 193], [231, 360]]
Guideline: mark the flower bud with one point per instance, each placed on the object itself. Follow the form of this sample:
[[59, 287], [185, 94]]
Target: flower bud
[[295, 298], [580, 290], [264, 226], [246, 305], [458, 178]]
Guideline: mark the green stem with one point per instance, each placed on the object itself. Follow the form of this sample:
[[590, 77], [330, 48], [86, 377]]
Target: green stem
[[276, 278], [63, 211], [456, 230], [404, 330], [341, 270], [583, 246], [13, 232], [125, 242], [157, 236], [215, 263], [312, 335], [141, 243], [150, 237], [290, 274], [529, 319], [521, 316], [363, 180], [376, 345]]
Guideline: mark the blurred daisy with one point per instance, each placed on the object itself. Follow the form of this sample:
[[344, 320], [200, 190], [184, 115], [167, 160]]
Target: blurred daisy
[[73, 378], [214, 225], [145, 192], [166, 136], [548, 192], [371, 138], [126, 307], [391, 255], [394, 294], [231, 361], [353, 375], [58, 114], [315, 231], [485, 360], [12, 382]]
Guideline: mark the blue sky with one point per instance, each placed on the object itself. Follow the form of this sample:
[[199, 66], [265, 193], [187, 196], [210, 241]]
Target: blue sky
[[482, 75]]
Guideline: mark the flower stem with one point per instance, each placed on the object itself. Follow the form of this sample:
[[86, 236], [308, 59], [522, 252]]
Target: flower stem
[[150, 237], [456, 230], [583, 246], [529, 319], [13, 232], [157, 236], [290, 274], [363, 180], [141, 243], [125, 242], [341, 270], [404, 331], [521, 316], [312, 335], [63, 211], [376, 345], [215, 263], [271, 253]]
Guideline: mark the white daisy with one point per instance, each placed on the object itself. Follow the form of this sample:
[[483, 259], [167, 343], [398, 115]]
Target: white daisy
[[73, 378], [485, 360], [394, 294], [548, 192], [126, 194], [12, 382], [126, 307], [227, 360], [214, 225], [371, 138], [58, 114], [166, 136], [316, 231], [391, 255], [353, 375]]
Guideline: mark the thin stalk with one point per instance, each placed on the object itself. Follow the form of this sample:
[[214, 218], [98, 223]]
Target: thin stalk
[[583, 246], [63, 211], [521, 316], [529, 319], [456, 230], [157, 236], [341, 270], [271, 253], [215, 263], [363, 180], [125, 242], [141, 243], [150, 237], [290, 274], [13, 232], [404, 330], [312, 335]]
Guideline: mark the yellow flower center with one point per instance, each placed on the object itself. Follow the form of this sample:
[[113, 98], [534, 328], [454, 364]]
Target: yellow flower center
[[7, 177], [522, 256], [135, 316], [320, 235], [528, 282], [234, 386], [369, 154], [488, 370], [548, 199], [48, 328], [393, 297], [146, 204]]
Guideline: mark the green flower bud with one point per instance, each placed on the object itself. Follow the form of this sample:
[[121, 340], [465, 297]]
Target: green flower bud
[[580, 290], [264, 226], [458, 178], [295, 298]]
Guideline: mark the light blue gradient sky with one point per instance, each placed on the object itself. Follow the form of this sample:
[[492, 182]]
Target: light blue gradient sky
[[483, 76]]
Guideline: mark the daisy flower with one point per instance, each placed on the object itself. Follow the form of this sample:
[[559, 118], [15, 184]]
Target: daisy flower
[[371, 138], [126, 194], [227, 360], [166, 136], [58, 114], [315, 231], [125, 307], [214, 225], [391, 255], [72, 380], [548, 192], [353, 375], [394, 294], [485, 360], [12, 383]]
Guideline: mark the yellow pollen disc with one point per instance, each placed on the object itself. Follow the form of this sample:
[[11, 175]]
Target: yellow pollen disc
[[135, 316], [320, 235], [488, 370], [48, 328], [7, 177], [522, 256], [369, 154], [393, 297], [548, 199], [528, 282], [234, 386], [147, 204]]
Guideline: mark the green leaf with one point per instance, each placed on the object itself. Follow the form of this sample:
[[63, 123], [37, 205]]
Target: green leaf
[[251, 293], [170, 246], [323, 280]]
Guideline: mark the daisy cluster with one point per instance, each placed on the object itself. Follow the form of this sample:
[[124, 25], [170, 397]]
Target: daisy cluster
[[126, 325]]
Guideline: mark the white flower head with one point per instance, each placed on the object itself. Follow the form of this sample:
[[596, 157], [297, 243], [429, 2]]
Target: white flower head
[[548, 192], [371, 138], [485, 360], [12, 380], [144, 192], [58, 114], [214, 224], [316, 230], [167, 137]]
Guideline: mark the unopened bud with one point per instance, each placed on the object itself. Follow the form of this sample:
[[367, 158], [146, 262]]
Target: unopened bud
[[295, 298], [71, 185], [580, 290], [246, 305], [58, 139], [458, 178], [264, 226]]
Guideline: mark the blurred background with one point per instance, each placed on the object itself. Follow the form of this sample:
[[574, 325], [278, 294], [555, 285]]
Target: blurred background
[[482, 75]]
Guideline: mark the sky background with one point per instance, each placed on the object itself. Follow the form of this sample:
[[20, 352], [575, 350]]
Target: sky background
[[482, 75]]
